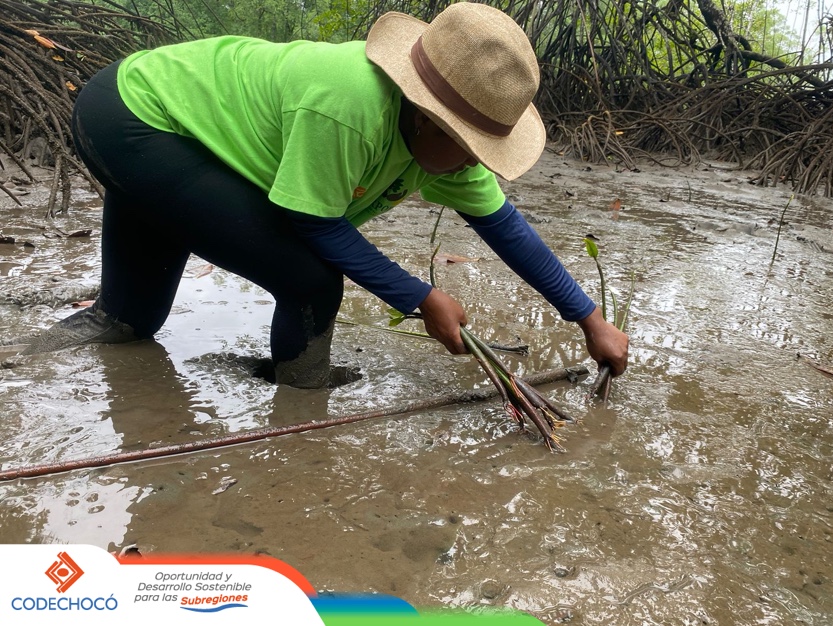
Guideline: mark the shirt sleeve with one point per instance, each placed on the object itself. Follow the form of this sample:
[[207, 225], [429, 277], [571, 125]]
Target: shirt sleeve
[[473, 191], [322, 163], [522, 249], [338, 242]]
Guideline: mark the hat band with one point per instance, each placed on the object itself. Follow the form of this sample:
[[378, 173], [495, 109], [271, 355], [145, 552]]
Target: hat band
[[449, 96]]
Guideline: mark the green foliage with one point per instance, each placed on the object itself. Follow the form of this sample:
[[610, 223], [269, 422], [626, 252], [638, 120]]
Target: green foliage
[[666, 45], [342, 20], [619, 79], [604, 37], [275, 20], [765, 28]]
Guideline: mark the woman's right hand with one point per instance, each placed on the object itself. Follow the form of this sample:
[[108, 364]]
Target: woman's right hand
[[443, 316]]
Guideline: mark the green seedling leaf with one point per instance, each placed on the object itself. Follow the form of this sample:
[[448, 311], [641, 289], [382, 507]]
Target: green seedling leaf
[[591, 247], [395, 317]]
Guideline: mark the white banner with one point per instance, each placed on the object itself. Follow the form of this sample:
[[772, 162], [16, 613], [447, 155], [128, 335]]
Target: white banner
[[85, 585]]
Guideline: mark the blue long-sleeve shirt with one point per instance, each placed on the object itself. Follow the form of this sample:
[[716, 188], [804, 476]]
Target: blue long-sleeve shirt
[[505, 231]]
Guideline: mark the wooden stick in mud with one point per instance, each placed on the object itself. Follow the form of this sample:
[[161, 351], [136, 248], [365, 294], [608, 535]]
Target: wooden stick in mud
[[602, 382], [827, 371], [420, 404]]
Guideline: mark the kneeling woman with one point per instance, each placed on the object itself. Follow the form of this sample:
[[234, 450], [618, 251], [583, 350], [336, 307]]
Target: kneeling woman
[[265, 158]]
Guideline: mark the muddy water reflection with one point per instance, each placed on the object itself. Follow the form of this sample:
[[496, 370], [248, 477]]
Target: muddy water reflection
[[700, 495]]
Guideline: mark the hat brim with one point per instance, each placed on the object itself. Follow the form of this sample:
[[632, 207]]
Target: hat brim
[[389, 46]]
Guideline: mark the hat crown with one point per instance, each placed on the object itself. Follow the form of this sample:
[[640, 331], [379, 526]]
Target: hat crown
[[485, 57]]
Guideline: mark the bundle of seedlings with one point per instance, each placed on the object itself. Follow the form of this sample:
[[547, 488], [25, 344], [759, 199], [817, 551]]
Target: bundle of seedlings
[[520, 399]]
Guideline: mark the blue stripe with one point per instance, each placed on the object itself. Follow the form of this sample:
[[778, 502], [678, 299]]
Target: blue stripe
[[361, 603], [216, 608]]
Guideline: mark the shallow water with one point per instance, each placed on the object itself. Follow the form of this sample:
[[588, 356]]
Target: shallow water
[[701, 494]]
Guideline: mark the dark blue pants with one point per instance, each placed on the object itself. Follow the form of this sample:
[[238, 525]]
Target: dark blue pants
[[167, 196]]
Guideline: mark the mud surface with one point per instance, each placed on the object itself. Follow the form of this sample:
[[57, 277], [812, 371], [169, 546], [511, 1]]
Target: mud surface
[[699, 495]]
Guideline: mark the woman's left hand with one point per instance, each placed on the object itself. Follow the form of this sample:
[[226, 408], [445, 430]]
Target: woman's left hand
[[606, 344]]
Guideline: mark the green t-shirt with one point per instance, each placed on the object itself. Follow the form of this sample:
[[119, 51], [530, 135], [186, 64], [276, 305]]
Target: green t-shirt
[[315, 125]]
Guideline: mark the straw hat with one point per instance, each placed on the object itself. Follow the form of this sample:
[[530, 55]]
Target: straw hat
[[473, 71]]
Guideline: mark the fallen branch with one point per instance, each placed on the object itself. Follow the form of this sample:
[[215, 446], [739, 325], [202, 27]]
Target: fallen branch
[[601, 382], [778, 235], [827, 371], [542, 378]]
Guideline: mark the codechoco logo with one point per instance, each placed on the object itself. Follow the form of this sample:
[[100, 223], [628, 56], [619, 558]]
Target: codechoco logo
[[64, 572]]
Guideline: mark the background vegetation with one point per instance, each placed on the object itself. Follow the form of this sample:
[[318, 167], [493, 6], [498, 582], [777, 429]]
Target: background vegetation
[[668, 80]]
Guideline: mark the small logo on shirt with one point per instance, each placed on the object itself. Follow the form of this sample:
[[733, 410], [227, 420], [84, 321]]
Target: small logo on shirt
[[358, 192], [395, 194]]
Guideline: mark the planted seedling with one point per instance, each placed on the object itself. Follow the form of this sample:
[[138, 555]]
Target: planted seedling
[[602, 383]]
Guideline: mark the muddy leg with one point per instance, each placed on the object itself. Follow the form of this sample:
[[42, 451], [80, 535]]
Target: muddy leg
[[311, 369]]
